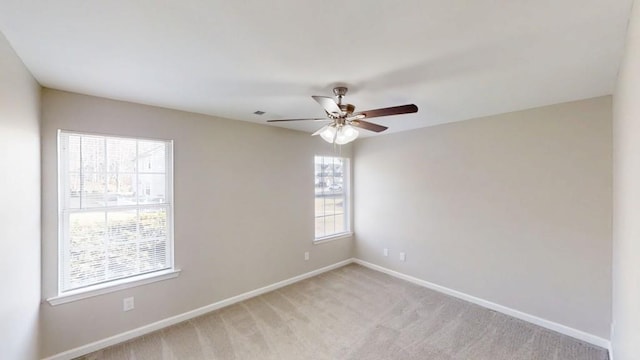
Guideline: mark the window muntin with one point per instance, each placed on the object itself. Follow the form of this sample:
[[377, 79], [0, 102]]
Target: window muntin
[[115, 197], [331, 196]]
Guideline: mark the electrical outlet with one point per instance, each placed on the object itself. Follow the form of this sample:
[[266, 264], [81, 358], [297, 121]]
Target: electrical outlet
[[128, 304], [403, 256], [306, 255], [385, 252]]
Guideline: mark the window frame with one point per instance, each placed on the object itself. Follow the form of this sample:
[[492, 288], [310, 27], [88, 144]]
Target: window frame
[[346, 183], [137, 279]]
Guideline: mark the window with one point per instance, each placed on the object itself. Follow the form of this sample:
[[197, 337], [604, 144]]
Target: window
[[115, 201], [331, 196]]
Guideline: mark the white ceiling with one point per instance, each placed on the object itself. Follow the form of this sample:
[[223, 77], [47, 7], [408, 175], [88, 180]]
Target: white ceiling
[[455, 59]]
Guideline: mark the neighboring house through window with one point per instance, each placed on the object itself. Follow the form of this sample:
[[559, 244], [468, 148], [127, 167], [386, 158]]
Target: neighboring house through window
[[331, 197], [116, 210]]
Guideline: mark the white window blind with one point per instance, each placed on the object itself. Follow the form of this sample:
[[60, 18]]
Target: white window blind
[[115, 197], [331, 196]]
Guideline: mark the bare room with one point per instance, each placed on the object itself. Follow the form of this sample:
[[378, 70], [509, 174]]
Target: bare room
[[320, 180]]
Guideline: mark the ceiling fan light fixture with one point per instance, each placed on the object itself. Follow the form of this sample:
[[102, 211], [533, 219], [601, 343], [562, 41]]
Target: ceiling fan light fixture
[[328, 134], [346, 134], [339, 135]]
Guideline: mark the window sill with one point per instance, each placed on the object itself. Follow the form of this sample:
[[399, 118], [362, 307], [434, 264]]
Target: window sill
[[332, 238], [113, 286]]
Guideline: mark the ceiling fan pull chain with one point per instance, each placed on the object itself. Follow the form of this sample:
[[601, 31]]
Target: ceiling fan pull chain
[[337, 150]]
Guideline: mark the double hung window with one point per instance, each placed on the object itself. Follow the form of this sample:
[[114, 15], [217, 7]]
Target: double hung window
[[115, 209], [331, 197]]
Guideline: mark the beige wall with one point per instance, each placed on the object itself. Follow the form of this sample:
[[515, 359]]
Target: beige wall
[[243, 213], [626, 200], [514, 209], [20, 210]]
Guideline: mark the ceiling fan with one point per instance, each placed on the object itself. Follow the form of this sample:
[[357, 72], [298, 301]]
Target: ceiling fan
[[344, 121]]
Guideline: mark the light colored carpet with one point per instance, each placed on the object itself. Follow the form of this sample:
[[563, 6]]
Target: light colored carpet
[[354, 313]]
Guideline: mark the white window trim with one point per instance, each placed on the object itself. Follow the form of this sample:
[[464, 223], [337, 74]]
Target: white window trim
[[333, 237], [113, 286], [127, 282]]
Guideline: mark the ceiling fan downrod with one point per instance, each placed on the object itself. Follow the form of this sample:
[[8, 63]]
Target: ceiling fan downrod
[[340, 92]]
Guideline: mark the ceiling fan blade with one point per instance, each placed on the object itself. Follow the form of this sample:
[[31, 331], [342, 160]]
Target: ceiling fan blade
[[328, 104], [311, 119], [394, 110], [355, 117], [368, 126]]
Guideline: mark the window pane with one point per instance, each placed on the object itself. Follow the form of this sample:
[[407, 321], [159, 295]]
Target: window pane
[[339, 206], [92, 154], [87, 229], [87, 266], [121, 189], [152, 188], [152, 156], [333, 205], [153, 255], [92, 190], [123, 236], [122, 226], [153, 226], [340, 224], [319, 206], [74, 191], [86, 249], [329, 225], [73, 151], [330, 196], [153, 223], [122, 260], [121, 155]]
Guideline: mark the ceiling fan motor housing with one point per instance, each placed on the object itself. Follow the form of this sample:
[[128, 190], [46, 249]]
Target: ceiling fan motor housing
[[347, 108], [340, 91]]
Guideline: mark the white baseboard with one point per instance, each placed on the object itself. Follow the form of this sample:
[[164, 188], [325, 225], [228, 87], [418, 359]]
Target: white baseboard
[[131, 334], [574, 333], [128, 335]]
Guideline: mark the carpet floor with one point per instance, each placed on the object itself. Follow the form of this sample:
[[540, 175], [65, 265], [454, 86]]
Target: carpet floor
[[353, 313]]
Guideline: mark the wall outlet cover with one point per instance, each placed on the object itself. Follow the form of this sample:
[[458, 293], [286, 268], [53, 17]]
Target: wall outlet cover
[[128, 304]]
